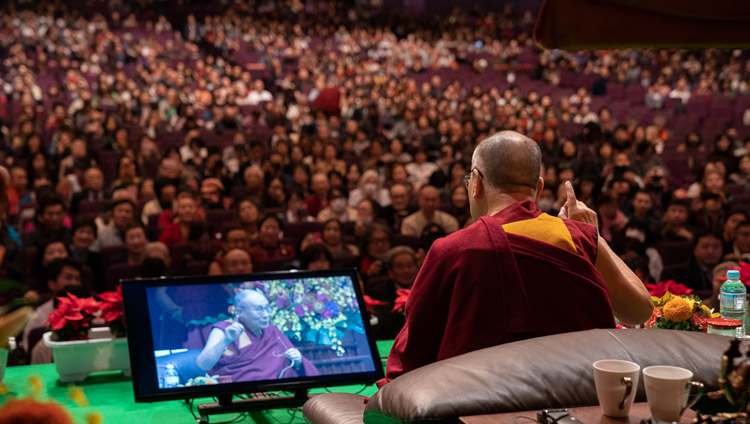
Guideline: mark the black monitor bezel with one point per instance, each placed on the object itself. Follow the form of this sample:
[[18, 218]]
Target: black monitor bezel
[[141, 346]]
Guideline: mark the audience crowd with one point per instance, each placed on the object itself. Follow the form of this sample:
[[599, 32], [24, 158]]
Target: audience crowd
[[274, 135]]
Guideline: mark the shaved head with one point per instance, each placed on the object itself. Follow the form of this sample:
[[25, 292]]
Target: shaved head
[[508, 161]]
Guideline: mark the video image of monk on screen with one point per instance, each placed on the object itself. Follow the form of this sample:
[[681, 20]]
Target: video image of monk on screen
[[257, 331]]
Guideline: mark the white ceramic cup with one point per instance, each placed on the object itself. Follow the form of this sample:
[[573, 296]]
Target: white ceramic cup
[[667, 391], [616, 383]]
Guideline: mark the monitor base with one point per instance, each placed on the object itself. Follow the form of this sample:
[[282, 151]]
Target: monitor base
[[257, 402]]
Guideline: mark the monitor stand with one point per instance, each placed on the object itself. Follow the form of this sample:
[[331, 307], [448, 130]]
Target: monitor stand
[[256, 402]]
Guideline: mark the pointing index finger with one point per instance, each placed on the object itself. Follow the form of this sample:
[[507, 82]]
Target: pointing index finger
[[571, 194]]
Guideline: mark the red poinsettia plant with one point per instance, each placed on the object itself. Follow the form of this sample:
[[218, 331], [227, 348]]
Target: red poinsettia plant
[[671, 286], [74, 316]]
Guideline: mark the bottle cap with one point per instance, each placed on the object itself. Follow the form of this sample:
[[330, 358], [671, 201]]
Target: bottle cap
[[733, 274]]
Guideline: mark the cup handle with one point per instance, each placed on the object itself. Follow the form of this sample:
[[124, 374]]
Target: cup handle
[[699, 387], [628, 382]]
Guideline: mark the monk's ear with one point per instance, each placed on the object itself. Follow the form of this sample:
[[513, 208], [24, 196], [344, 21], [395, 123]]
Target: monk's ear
[[539, 188], [478, 189]]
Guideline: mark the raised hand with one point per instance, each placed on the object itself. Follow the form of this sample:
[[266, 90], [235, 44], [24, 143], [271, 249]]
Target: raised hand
[[233, 332], [575, 209]]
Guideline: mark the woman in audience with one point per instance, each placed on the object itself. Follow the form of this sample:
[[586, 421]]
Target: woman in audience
[[84, 235], [742, 176], [369, 187], [315, 257], [375, 244], [246, 216], [268, 245], [333, 240], [45, 254], [186, 213]]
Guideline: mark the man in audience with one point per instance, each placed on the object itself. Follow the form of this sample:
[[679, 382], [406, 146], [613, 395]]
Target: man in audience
[[237, 261], [242, 347], [514, 273], [399, 209], [428, 213], [177, 232], [61, 274], [110, 229], [401, 265], [674, 227], [50, 216], [697, 274], [729, 232], [318, 200], [93, 189]]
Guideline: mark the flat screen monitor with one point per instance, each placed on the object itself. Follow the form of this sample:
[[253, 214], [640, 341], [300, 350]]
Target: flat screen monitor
[[213, 336]]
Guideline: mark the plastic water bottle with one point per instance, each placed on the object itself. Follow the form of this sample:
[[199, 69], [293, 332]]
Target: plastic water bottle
[[733, 299], [171, 377]]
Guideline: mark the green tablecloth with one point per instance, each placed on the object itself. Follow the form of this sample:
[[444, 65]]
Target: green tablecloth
[[111, 395]]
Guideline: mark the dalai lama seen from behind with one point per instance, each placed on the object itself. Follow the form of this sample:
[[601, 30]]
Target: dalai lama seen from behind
[[249, 347], [515, 273]]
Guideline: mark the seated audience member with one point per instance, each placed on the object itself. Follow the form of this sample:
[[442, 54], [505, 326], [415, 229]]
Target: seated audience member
[[429, 201], [697, 274], [17, 189], [729, 231], [337, 208], [375, 244], [268, 245], [165, 192], [459, 205], [45, 254], [641, 214], [400, 207], [333, 241], [741, 246], [237, 261], [612, 220], [234, 238], [247, 215], [186, 212], [401, 267], [430, 234], [719, 278], [420, 170], [241, 347], [318, 200], [158, 250], [674, 223], [84, 235], [742, 176], [61, 273], [524, 247], [110, 227], [369, 187], [212, 194], [315, 257], [93, 189], [135, 243], [48, 223], [367, 211]]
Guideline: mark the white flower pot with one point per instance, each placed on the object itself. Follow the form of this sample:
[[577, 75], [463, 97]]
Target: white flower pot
[[75, 360]]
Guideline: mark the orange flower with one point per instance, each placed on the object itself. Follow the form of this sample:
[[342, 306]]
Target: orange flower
[[678, 309], [29, 411]]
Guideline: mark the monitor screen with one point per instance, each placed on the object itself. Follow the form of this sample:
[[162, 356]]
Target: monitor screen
[[207, 336]]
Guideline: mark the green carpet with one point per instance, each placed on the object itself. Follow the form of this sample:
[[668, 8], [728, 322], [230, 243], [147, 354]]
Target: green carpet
[[111, 395]]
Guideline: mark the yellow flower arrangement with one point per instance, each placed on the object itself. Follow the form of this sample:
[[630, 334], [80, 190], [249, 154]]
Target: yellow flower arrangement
[[679, 313], [678, 309]]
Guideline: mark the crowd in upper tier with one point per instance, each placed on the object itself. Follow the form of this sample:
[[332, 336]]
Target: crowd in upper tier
[[145, 139]]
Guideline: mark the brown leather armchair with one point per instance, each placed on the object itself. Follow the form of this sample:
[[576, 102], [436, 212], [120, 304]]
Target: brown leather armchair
[[545, 372]]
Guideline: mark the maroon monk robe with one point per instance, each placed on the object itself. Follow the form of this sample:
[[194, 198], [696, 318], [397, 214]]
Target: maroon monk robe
[[515, 275], [251, 358]]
